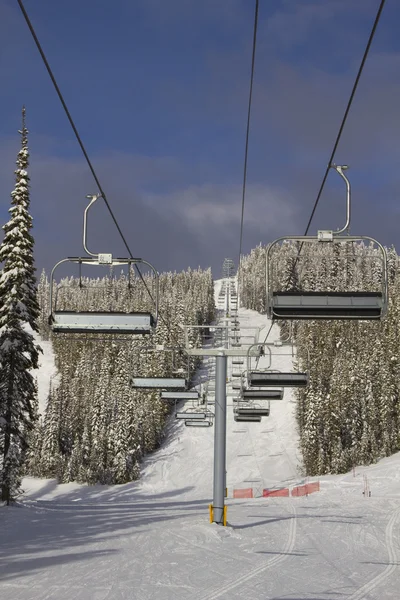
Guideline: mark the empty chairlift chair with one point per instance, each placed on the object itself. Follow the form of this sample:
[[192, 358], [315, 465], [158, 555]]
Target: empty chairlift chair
[[159, 383], [101, 322], [268, 378], [253, 411], [192, 415], [186, 395], [254, 395], [197, 422], [301, 303], [247, 418], [175, 387], [277, 379]]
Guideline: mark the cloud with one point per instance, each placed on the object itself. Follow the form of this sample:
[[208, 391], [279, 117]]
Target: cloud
[[209, 206], [296, 23], [164, 218]]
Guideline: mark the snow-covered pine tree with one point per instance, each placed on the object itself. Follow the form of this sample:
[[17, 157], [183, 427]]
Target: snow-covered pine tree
[[19, 311]]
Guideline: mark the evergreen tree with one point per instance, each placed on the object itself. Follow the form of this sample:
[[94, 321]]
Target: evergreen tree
[[19, 311]]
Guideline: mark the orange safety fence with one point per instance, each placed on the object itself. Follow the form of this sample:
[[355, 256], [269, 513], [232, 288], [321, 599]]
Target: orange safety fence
[[304, 490], [299, 490], [312, 487], [243, 493], [283, 492]]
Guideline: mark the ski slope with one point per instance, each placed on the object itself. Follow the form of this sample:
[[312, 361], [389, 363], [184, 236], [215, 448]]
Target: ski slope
[[151, 539]]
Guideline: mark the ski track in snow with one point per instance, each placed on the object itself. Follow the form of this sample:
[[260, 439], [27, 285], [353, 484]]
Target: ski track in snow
[[151, 540], [364, 591], [229, 587]]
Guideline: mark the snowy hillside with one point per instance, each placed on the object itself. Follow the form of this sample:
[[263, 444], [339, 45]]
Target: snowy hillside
[[151, 539]]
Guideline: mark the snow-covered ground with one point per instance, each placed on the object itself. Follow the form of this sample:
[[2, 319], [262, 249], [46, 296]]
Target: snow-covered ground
[[152, 540]]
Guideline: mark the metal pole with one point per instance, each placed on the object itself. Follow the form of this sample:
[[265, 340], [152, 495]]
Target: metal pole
[[219, 439]]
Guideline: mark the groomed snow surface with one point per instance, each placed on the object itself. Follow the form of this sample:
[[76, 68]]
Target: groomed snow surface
[[152, 539]]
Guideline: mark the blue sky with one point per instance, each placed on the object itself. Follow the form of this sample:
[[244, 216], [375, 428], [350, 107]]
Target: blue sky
[[158, 90]]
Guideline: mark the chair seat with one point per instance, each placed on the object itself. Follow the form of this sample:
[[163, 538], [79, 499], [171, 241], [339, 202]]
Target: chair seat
[[277, 379], [65, 321], [327, 305]]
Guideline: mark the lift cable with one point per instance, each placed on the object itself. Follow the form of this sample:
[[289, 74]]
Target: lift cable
[[246, 151], [346, 113], [79, 140]]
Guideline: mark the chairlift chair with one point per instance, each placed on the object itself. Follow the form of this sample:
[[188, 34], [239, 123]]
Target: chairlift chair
[[255, 411], [327, 304], [101, 322], [191, 415], [256, 395], [159, 383], [187, 395], [196, 423], [247, 418], [266, 377], [277, 379], [179, 382]]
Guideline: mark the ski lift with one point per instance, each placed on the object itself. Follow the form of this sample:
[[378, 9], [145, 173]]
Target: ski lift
[[179, 381], [187, 395], [196, 423], [251, 395], [254, 411], [277, 379], [104, 322], [192, 415], [267, 377], [159, 383], [247, 418], [327, 304]]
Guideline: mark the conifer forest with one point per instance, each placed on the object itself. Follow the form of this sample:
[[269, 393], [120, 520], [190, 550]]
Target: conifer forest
[[96, 427]]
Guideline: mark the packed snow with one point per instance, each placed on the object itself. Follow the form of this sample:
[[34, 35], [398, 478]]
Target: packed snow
[[152, 539]]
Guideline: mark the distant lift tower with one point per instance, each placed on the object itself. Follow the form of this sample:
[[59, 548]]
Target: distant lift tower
[[228, 268]]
